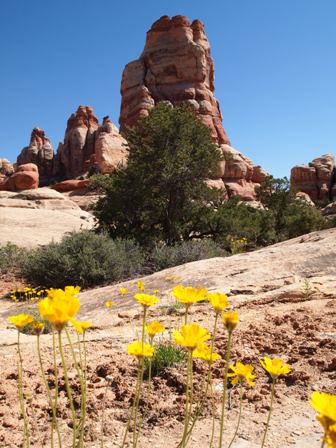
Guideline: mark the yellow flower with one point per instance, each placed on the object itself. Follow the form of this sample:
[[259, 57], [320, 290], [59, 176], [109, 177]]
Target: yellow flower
[[190, 336], [60, 306], [218, 301], [156, 291], [154, 327], [331, 436], [123, 291], [81, 327], [189, 295], [140, 350], [242, 372], [230, 319], [146, 299], [37, 327], [325, 405], [275, 367], [203, 351], [109, 304], [20, 320], [140, 285]]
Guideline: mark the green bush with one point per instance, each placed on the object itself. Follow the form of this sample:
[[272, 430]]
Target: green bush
[[12, 258], [85, 259], [161, 194], [165, 355], [163, 257]]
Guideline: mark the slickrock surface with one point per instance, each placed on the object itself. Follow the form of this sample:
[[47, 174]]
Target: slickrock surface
[[317, 179], [277, 318], [36, 217]]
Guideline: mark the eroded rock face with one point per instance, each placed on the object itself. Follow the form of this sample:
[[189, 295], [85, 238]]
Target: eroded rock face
[[87, 145], [176, 66], [110, 147], [40, 152], [6, 168], [78, 143], [26, 177], [317, 179]]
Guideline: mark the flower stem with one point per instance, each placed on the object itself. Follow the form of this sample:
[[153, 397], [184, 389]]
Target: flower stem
[[225, 381], [81, 382], [68, 389], [239, 415], [54, 422], [26, 434], [205, 385], [269, 413], [186, 416], [55, 371]]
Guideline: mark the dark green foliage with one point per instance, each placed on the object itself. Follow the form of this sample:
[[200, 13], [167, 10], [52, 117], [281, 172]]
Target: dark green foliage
[[166, 355], [161, 193], [291, 217], [12, 258], [163, 257], [84, 259]]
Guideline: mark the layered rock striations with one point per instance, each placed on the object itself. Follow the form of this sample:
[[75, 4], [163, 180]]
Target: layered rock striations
[[175, 66], [78, 144], [317, 179], [40, 152], [86, 145]]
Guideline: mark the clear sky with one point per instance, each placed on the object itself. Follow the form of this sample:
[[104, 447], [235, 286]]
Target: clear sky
[[275, 68]]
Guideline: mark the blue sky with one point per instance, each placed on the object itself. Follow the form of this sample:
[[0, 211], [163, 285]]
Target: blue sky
[[275, 68]]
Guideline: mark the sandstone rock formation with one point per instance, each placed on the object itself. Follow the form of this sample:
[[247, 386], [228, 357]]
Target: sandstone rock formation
[[87, 145], [6, 168], [41, 215], [317, 179], [71, 185], [26, 177], [40, 152], [78, 143], [175, 66], [110, 147]]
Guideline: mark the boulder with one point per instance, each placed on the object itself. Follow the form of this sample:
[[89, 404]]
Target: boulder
[[176, 65], [40, 152], [26, 177], [71, 184]]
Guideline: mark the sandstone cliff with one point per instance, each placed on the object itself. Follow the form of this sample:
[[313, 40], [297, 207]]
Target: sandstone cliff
[[317, 179], [176, 66]]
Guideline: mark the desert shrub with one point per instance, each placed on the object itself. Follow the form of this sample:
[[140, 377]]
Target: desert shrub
[[166, 355], [160, 194], [12, 258], [163, 256], [85, 259]]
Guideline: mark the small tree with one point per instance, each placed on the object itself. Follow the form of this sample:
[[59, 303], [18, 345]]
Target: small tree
[[161, 194]]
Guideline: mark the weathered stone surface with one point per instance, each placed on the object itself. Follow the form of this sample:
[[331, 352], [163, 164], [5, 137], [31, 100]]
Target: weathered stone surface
[[317, 179], [301, 196], [87, 146], [26, 177], [40, 152], [110, 147], [6, 168], [71, 184], [78, 145], [240, 176], [176, 65]]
